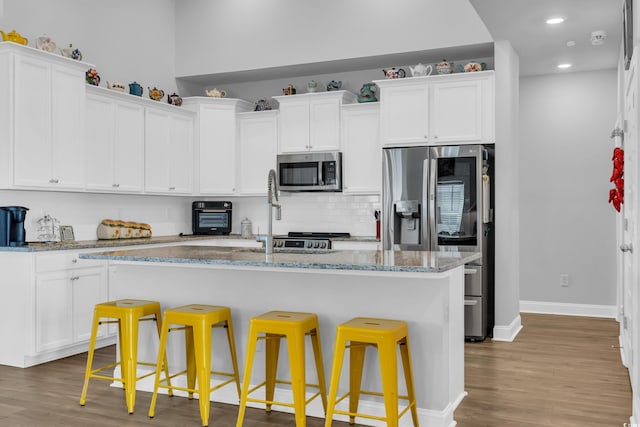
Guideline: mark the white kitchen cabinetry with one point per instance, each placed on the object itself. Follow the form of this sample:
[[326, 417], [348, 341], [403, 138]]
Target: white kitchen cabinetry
[[216, 136], [361, 146], [44, 97], [115, 142], [311, 121], [169, 150], [435, 110], [257, 151]]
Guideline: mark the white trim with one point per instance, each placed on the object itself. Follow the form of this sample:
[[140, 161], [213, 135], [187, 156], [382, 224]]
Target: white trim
[[508, 332], [569, 309]]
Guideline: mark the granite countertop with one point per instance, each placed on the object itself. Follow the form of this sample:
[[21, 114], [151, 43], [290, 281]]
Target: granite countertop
[[116, 243], [409, 261]]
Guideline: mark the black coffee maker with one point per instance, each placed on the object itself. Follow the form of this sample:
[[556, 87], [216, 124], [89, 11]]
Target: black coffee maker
[[12, 225]]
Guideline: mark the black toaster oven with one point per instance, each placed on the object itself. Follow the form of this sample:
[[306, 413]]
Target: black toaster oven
[[211, 217]]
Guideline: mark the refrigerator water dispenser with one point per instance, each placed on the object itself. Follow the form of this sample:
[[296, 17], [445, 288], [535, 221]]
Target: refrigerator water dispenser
[[408, 222]]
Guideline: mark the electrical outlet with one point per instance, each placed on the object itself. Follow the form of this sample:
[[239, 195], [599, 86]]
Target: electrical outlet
[[564, 280]]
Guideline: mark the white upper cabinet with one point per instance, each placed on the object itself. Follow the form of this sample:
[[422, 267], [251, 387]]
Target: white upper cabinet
[[257, 151], [169, 150], [115, 142], [311, 121], [434, 110], [44, 94], [216, 138], [361, 151]]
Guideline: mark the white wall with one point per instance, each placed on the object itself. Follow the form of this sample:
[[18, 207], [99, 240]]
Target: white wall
[[231, 35], [566, 225], [125, 40]]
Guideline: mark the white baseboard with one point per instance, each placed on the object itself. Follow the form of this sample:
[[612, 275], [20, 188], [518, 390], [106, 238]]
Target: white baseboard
[[228, 395], [568, 309], [507, 332]]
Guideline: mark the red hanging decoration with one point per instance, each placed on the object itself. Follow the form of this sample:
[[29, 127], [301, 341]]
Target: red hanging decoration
[[616, 195]]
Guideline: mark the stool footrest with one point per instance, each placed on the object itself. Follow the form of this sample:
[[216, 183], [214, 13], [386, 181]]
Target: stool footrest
[[373, 417], [273, 402]]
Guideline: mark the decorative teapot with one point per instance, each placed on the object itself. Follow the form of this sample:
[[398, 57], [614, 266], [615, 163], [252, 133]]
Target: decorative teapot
[[472, 67], [115, 86], [289, 90], [13, 36], [444, 67], [392, 73], [155, 93], [45, 43], [174, 99], [262, 105], [92, 77], [334, 85], [312, 86], [420, 70], [70, 52], [216, 93], [135, 89], [367, 93]]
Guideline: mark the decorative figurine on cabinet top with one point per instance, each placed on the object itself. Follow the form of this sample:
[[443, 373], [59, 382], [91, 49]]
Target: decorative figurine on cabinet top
[[13, 36], [392, 73], [117, 86], [155, 93], [367, 93], [215, 93], [174, 99], [289, 90], [473, 67], [312, 86], [420, 70], [135, 89], [334, 85], [45, 43], [444, 67], [262, 105], [92, 76], [70, 52]]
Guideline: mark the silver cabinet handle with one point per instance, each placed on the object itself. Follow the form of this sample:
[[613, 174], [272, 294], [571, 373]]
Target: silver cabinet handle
[[75, 260], [626, 247], [470, 270], [53, 181], [75, 277], [172, 188], [470, 302], [115, 185]]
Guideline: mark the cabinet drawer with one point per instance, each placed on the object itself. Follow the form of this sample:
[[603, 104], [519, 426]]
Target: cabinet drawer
[[473, 280], [62, 260]]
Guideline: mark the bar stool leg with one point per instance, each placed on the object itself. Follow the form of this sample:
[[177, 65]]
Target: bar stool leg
[[272, 352], [164, 333], [336, 369], [389, 371], [158, 321], [405, 353], [295, 343], [234, 358], [202, 342], [190, 359], [356, 364], [248, 364], [92, 346], [130, 351], [317, 353]]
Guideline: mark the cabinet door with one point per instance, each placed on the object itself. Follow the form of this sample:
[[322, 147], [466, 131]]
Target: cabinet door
[[68, 106], [361, 146], [99, 142], [32, 124], [294, 126], [53, 311], [157, 154], [181, 152], [456, 112], [89, 287], [324, 119], [257, 151], [404, 114], [129, 147], [217, 150]]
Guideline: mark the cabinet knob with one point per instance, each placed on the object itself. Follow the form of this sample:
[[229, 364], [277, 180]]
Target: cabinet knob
[[75, 277], [75, 260], [435, 136], [172, 188], [115, 185], [53, 181]]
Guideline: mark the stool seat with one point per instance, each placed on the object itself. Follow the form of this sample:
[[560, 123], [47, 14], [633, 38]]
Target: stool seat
[[127, 313], [294, 327], [384, 334], [197, 321]]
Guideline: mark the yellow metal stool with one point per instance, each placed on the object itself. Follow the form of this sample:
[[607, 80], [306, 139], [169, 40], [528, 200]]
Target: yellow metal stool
[[293, 326], [198, 320], [126, 313], [385, 335]]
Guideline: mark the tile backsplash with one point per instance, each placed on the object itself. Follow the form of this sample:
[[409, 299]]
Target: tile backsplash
[[169, 215]]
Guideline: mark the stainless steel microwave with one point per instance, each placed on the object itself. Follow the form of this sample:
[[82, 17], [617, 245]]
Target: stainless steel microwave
[[319, 171]]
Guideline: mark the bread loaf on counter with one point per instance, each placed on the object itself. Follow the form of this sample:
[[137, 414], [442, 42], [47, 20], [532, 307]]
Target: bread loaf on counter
[[115, 229]]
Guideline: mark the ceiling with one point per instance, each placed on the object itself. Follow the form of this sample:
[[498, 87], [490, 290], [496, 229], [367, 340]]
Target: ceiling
[[541, 47]]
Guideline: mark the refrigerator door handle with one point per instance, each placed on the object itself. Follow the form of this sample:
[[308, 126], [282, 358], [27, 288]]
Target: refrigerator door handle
[[424, 221], [432, 205]]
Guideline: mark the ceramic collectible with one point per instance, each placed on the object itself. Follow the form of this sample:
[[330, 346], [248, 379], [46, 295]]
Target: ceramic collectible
[[71, 52], [367, 93], [444, 67], [392, 73], [472, 67], [45, 43], [13, 36], [262, 105], [155, 93], [115, 86], [334, 85], [289, 90], [135, 89], [312, 86], [174, 99], [420, 70], [92, 76], [216, 93]]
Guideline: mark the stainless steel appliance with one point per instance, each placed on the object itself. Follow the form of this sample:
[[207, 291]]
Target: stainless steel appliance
[[313, 171], [211, 217], [12, 231], [302, 244], [440, 199]]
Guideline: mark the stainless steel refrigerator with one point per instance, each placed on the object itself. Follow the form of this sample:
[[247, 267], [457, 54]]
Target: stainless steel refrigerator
[[440, 199]]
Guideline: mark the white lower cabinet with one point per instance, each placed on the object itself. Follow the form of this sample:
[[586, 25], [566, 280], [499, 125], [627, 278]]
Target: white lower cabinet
[[361, 151], [257, 151]]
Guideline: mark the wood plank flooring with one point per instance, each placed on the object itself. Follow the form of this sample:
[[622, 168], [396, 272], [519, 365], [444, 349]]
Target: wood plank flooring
[[561, 371]]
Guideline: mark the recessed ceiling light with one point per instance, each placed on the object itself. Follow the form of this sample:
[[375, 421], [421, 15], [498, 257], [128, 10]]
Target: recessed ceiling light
[[564, 66], [555, 20]]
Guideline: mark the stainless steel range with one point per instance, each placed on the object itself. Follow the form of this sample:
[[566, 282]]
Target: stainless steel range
[[302, 244]]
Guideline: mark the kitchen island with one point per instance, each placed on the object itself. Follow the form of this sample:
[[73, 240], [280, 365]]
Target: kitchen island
[[424, 288]]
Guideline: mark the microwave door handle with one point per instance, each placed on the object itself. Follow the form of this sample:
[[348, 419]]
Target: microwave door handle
[[320, 180], [432, 205]]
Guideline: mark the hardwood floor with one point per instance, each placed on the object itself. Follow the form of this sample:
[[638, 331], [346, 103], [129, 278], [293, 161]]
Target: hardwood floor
[[560, 371]]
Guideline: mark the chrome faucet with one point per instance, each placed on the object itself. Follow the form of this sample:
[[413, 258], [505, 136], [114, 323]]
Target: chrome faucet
[[272, 190]]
